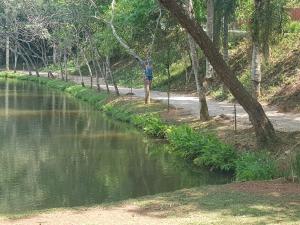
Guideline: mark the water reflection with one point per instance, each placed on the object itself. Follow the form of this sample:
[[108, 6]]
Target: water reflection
[[56, 152]]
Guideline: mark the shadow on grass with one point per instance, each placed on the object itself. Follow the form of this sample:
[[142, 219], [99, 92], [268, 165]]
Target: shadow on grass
[[223, 203]]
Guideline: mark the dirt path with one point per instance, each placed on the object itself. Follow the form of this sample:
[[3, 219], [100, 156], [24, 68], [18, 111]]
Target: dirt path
[[288, 122]]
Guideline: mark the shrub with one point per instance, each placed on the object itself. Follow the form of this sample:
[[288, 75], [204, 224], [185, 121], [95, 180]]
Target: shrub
[[293, 27], [202, 149], [185, 141], [255, 166], [150, 123], [217, 155]]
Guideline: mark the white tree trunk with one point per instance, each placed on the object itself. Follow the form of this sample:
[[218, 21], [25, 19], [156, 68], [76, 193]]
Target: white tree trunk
[[89, 68], [108, 69], [16, 59], [203, 109], [79, 70], [7, 53], [256, 70], [54, 54], [210, 32]]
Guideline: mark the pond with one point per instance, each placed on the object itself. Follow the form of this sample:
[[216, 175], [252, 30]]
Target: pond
[[58, 152]]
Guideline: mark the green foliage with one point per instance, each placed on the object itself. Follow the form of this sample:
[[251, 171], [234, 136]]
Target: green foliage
[[295, 165], [216, 154], [203, 149], [293, 27], [255, 166], [117, 113], [151, 124], [88, 95], [8, 74], [245, 79]]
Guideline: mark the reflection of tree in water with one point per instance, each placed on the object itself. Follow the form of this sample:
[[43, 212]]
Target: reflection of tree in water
[[67, 155]]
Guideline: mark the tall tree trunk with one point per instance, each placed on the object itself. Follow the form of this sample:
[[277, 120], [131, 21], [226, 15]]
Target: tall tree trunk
[[210, 33], [169, 85], [225, 46], [16, 59], [66, 64], [101, 69], [54, 54], [264, 130], [61, 65], [97, 75], [111, 75], [256, 61], [89, 68], [79, 70], [225, 38], [267, 14], [105, 76], [7, 53], [256, 70], [203, 110]]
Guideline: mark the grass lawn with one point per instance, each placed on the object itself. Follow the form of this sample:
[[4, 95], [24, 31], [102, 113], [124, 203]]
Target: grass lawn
[[239, 203]]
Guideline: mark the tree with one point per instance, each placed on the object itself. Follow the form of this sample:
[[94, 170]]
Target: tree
[[264, 130], [204, 115]]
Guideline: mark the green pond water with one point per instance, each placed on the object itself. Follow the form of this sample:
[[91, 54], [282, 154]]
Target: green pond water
[[58, 152]]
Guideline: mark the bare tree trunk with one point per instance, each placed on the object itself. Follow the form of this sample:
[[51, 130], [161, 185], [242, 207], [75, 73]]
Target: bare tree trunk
[[89, 68], [225, 38], [54, 54], [66, 64], [225, 47], [101, 70], [16, 59], [203, 110], [256, 61], [97, 75], [105, 76], [7, 53], [147, 92], [267, 30], [25, 60], [79, 70], [111, 76], [169, 86], [210, 33], [256, 70], [264, 130], [60, 65]]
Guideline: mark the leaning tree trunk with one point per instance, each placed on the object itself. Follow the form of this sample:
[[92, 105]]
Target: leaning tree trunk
[[264, 130], [7, 53], [203, 108], [210, 33]]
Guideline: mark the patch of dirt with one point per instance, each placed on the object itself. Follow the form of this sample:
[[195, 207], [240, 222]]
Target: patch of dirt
[[274, 188], [288, 98]]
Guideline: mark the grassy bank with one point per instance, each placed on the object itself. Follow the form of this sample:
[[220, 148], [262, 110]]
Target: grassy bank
[[246, 203], [202, 148]]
